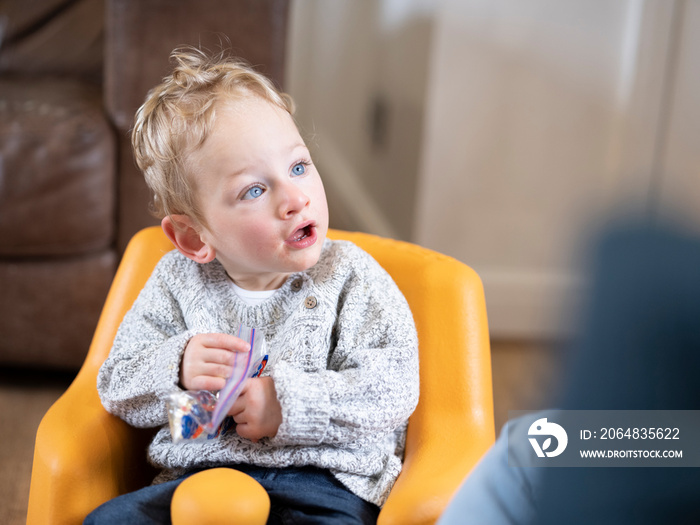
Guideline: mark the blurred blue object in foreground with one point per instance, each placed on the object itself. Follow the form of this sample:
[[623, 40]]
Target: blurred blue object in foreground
[[637, 348]]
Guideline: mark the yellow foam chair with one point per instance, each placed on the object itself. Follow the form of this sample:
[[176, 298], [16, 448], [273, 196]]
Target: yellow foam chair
[[84, 456]]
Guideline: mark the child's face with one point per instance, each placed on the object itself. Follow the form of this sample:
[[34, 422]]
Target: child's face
[[259, 193]]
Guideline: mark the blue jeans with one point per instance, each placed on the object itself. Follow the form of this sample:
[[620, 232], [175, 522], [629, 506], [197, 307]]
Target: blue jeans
[[297, 495], [495, 492]]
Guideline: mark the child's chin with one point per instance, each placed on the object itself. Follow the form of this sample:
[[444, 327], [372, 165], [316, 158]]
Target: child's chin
[[310, 261]]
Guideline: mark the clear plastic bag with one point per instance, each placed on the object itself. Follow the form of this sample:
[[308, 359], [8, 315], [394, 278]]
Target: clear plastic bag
[[201, 415]]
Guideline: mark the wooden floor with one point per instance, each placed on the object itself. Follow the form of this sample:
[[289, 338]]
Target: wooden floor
[[524, 378]]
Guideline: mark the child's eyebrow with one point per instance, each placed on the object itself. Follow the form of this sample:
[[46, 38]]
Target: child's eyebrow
[[242, 170], [237, 173]]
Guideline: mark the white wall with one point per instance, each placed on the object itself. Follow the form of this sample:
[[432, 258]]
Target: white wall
[[349, 60], [513, 129], [676, 191], [556, 112]]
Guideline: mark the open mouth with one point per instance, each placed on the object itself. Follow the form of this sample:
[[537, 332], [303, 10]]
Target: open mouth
[[303, 236], [301, 233]]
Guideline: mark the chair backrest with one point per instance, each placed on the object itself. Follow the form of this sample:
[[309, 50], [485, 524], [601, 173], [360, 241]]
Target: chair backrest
[[451, 428]]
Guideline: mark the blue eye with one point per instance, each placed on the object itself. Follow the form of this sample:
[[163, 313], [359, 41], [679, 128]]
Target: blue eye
[[299, 169], [253, 193]]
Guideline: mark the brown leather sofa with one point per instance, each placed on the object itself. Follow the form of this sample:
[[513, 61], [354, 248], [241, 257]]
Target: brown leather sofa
[[72, 73]]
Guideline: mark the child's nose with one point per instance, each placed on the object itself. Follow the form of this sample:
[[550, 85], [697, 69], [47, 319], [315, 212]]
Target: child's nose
[[294, 200]]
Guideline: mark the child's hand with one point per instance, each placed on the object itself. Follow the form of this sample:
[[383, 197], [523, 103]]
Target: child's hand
[[208, 361], [257, 412]]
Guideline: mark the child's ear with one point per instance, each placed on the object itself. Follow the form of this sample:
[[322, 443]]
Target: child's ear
[[181, 231]]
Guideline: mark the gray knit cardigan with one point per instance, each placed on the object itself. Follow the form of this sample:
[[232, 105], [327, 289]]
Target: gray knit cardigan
[[343, 355]]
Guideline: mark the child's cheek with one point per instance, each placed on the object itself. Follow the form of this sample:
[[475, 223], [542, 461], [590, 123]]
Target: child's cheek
[[256, 236]]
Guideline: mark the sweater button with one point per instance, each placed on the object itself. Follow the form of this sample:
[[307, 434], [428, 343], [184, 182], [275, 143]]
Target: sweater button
[[310, 302], [296, 285]]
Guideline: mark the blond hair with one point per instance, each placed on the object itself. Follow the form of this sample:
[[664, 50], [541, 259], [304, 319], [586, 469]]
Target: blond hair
[[178, 115]]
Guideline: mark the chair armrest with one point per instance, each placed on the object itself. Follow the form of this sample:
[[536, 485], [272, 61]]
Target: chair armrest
[[453, 425], [83, 456], [430, 477]]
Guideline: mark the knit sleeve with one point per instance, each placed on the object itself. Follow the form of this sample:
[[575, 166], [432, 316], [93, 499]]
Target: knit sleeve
[[144, 363], [371, 385]]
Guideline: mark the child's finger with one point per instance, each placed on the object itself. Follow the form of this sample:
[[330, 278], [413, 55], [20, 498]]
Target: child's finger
[[248, 431], [241, 418], [203, 382], [238, 406], [225, 342], [215, 370], [219, 356]]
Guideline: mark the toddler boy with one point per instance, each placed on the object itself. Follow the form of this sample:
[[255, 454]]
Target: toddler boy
[[241, 200]]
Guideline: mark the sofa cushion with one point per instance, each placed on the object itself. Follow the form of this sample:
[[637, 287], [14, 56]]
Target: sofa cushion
[[49, 308], [57, 168], [63, 37]]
